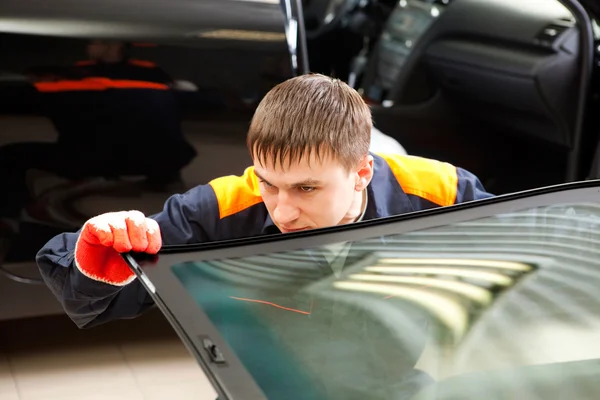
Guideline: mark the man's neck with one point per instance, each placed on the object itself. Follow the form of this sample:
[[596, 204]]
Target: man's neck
[[364, 202], [357, 208]]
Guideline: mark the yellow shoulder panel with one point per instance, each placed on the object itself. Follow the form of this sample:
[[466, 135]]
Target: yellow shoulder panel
[[236, 193], [433, 180]]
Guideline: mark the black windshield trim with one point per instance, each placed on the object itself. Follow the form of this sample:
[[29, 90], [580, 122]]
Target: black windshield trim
[[440, 211], [230, 379]]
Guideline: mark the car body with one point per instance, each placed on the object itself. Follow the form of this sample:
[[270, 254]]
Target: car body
[[483, 95]]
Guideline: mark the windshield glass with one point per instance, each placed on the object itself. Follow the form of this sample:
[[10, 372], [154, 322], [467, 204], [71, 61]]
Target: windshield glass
[[500, 307]]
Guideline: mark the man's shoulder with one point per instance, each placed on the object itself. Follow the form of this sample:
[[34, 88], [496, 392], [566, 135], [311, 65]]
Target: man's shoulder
[[225, 208], [236, 193], [430, 179]]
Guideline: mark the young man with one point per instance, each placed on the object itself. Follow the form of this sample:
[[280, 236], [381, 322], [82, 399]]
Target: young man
[[309, 141]]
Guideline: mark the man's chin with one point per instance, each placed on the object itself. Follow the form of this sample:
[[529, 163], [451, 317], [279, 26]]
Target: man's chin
[[283, 230]]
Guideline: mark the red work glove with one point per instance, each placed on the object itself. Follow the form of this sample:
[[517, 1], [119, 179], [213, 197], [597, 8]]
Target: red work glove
[[105, 236]]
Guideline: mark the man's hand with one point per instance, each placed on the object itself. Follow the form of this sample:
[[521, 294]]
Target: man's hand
[[103, 238]]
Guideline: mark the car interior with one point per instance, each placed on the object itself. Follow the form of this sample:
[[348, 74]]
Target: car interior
[[496, 86]]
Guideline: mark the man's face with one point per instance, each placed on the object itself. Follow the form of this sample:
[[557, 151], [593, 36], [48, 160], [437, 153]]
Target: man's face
[[96, 49], [107, 51], [313, 193]]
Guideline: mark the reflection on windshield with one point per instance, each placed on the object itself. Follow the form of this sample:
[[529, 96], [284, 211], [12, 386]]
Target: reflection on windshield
[[506, 307]]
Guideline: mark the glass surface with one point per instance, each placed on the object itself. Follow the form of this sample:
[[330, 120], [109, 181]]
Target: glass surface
[[496, 308]]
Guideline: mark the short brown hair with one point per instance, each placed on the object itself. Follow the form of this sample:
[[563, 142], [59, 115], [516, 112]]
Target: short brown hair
[[311, 113]]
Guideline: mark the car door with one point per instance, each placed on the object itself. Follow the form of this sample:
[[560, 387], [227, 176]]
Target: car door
[[490, 299], [217, 62]]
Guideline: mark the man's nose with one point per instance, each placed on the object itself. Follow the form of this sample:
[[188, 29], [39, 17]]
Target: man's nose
[[285, 212]]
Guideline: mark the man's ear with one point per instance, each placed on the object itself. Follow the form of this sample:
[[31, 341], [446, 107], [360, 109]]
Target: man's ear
[[364, 173]]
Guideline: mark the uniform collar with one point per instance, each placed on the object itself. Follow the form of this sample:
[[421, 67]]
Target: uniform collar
[[386, 197], [269, 227]]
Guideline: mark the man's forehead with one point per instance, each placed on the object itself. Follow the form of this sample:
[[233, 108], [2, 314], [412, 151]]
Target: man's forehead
[[292, 173], [311, 159], [289, 175]]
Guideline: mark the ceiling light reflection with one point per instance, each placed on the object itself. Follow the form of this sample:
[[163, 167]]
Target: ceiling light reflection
[[238, 34], [262, 1], [473, 292], [491, 277], [512, 265], [447, 310], [66, 27]]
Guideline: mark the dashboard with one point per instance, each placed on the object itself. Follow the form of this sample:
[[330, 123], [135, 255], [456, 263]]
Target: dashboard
[[498, 60], [407, 23]]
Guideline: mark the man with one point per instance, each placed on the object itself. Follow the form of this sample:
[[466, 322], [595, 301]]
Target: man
[[113, 103], [114, 116], [309, 141]]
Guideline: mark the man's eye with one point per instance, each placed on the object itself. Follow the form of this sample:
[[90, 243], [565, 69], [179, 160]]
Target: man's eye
[[267, 184], [307, 188]]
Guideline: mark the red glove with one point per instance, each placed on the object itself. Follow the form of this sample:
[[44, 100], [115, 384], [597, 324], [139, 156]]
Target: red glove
[[105, 236]]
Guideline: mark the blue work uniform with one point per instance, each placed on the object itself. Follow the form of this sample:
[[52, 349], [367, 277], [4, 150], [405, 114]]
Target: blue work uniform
[[119, 117], [231, 207]]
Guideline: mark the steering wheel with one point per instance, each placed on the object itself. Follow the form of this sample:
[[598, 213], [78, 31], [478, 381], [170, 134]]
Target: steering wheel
[[322, 16]]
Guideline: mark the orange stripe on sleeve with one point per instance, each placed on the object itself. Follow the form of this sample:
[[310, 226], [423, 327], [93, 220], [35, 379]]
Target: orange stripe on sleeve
[[96, 84], [142, 63], [429, 179], [236, 193], [127, 84]]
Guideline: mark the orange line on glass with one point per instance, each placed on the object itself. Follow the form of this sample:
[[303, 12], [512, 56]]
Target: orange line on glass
[[274, 305]]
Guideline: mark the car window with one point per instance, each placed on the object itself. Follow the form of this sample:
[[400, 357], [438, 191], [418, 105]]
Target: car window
[[505, 305]]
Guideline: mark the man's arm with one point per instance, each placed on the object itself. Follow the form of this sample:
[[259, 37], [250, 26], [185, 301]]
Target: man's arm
[[90, 302], [86, 301]]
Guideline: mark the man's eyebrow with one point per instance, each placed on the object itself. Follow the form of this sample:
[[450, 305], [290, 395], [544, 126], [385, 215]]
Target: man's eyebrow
[[258, 176], [307, 182]]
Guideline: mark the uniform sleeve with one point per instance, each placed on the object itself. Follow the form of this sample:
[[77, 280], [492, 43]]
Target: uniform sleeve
[[158, 74], [185, 218], [164, 76], [469, 187]]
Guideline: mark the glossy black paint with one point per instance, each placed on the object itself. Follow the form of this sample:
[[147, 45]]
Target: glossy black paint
[[222, 57]]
